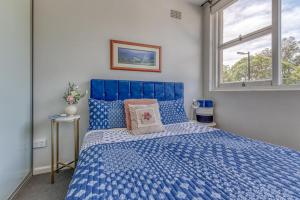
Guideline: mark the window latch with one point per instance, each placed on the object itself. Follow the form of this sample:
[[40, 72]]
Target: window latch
[[240, 37]]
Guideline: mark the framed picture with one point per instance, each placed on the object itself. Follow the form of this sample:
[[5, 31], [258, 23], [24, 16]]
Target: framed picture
[[134, 56]]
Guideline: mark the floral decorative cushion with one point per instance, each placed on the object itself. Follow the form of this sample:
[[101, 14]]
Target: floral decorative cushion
[[145, 119], [106, 114], [135, 102], [172, 112]]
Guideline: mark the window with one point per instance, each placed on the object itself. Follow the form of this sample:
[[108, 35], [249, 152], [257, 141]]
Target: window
[[247, 47], [248, 61], [244, 17], [290, 42], [245, 42]]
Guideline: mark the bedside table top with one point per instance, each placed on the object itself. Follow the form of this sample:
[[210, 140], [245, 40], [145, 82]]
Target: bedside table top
[[68, 118]]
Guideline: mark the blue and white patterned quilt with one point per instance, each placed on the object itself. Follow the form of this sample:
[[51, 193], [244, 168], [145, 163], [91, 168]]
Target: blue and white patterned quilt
[[188, 161]]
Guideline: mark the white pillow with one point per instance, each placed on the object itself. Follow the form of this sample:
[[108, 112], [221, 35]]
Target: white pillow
[[145, 119]]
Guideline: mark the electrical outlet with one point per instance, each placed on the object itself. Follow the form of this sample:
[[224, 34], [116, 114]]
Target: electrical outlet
[[42, 143]]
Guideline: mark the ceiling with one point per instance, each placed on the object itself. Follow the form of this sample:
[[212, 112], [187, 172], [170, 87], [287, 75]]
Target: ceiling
[[198, 2]]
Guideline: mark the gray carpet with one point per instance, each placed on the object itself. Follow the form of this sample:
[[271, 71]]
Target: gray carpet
[[39, 187]]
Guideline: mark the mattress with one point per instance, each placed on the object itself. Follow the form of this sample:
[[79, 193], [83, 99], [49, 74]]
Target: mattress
[[187, 161]]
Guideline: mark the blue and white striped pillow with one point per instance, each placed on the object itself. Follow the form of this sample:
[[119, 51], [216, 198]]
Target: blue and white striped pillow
[[172, 112], [106, 114]]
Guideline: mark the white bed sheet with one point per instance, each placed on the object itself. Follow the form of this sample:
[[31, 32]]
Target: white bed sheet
[[123, 135]]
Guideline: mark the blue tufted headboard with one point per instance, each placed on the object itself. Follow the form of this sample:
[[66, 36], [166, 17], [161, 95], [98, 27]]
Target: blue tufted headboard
[[111, 90]]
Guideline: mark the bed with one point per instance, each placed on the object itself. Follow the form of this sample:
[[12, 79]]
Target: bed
[[187, 161]]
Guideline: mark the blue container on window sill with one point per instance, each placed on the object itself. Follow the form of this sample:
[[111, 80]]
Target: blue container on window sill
[[205, 112], [205, 103]]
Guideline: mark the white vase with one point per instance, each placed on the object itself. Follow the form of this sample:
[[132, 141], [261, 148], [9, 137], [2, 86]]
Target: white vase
[[71, 109]]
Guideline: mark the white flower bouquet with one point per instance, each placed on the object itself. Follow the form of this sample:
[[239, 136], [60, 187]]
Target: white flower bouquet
[[73, 94]]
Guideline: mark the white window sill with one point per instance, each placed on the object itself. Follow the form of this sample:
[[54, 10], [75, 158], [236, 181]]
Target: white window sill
[[263, 88]]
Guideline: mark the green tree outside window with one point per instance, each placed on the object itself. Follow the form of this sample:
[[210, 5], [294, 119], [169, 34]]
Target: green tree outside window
[[261, 65]]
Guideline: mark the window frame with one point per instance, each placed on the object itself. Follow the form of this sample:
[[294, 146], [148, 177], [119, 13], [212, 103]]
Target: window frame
[[216, 21]]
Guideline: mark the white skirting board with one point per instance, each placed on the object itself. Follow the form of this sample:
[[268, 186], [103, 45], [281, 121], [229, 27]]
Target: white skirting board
[[43, 170], [26, 179]]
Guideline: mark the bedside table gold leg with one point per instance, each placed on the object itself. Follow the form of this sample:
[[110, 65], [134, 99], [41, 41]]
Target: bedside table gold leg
[[78, 132], [52, 151], [76, 139], [57, 146]]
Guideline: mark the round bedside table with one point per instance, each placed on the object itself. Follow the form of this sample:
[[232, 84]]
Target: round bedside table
[[56, 120]]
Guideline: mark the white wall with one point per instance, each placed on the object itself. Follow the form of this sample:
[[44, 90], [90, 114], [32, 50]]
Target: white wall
[[272, 116], [15, 87], [72, 43]]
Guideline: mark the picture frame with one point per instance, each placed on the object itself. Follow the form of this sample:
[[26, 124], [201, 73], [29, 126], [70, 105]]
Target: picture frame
[[133, 56]]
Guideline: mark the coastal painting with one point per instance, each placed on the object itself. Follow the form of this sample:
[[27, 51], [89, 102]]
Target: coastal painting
[[135, 56]]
